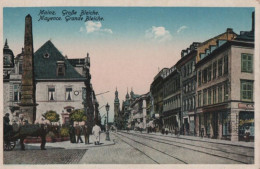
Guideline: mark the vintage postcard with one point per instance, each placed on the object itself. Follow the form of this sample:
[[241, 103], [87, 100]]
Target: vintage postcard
[[129, 84]]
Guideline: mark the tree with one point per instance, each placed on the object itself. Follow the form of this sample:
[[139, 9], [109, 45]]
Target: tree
[[78, 115], [52, 116]]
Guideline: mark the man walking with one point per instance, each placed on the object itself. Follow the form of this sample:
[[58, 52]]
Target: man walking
[[96, 132], [86, 134], [78, 133]]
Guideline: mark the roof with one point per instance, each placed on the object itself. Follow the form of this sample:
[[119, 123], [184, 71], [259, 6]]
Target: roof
[[45, 68]]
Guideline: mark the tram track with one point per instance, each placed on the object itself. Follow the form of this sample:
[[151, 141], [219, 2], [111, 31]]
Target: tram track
[[151, 148], [240, 158], [209, 148]]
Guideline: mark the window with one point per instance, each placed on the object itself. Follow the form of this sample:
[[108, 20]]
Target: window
[[220, 94], [209, 73], [17, 93], [225, 64], [193, 99], [60, 68], [199, 98], [209, 96], [205, 75], [68, 93], [184, 71], [226, 92], [204, 97], [214, 96], [193, 65], [199, 78], [247, 63], [20, 68], [51, 93], [246, 88], [214, 70], [220, 67]]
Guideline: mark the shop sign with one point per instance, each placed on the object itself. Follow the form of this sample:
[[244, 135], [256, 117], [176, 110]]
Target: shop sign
[[245, 106]]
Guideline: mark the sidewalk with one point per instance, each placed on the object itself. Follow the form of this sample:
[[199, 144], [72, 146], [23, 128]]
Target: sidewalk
[[68, 145], [200, 139]]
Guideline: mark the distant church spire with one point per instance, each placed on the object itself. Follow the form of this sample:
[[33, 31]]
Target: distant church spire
[[6, 44]]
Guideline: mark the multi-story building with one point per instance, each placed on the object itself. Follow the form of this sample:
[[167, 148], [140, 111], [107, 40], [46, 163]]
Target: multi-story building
[[156, 90], [225, 102], [186, 67], [171, 99], [138, 112], [59, 87]]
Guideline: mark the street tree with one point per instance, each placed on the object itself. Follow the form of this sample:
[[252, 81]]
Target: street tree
[[52, 116]]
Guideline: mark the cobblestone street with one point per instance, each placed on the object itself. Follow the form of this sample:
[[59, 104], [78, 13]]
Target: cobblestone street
[[136, 148], [50, 156]]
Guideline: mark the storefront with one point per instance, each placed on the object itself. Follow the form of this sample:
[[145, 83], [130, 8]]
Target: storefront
[[246, 123]]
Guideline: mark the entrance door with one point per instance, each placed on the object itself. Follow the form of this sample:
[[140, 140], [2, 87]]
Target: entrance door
[[215, 124]]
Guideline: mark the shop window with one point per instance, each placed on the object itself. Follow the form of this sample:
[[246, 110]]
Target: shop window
[[220, 67], [226, 128], [247, 63], [246, 88], [51, 93]]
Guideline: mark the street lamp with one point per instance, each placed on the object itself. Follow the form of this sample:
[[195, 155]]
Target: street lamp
[[107, 132]]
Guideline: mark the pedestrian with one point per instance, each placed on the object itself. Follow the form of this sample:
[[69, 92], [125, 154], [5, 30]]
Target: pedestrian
[[86, 134], [166, 130], [72, 134], [78, 133], [247, 134], [96, 132]]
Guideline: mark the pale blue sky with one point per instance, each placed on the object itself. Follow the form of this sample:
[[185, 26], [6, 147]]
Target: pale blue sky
[[126, 48]]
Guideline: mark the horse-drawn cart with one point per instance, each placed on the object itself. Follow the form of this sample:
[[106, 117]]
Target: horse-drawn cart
[[9, 140]]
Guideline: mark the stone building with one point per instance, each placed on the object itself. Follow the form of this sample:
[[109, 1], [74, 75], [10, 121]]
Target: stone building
[[186, 69], [171, 99], [156, 90], [225, 97], [59, 86]]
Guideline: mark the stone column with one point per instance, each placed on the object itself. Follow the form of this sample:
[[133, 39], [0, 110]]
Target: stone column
[[234, 124], [28, 103]]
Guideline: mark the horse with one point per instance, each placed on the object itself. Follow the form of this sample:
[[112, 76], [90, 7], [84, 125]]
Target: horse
[[34, 130]]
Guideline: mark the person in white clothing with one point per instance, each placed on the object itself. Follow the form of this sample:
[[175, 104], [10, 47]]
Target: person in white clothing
[[96, 132]]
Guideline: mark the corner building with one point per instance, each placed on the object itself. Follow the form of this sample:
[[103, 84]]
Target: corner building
[[225, 76]]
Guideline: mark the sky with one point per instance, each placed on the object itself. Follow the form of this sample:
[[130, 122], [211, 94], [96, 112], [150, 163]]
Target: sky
[[127, 45]]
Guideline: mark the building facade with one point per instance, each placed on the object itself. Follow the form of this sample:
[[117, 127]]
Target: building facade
[[225, 89], [171, 115]]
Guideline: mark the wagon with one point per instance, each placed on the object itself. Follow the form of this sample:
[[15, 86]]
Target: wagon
[[9, 141]]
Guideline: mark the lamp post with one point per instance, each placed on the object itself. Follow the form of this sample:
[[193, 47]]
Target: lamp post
[[107, 132]]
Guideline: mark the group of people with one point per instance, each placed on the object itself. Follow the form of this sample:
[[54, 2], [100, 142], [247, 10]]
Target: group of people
[[77, 131]]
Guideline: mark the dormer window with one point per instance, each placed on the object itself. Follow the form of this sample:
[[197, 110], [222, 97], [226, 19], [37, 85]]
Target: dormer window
[[60, 68], [46, 55]]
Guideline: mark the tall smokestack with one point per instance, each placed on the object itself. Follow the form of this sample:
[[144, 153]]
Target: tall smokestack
[[28, 105]]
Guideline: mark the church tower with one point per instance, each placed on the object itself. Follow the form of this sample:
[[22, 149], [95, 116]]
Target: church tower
[[28, 103], [116, 105]]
